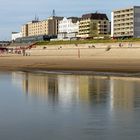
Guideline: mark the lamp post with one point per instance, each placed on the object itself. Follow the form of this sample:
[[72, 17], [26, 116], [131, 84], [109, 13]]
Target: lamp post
[[78, 52]]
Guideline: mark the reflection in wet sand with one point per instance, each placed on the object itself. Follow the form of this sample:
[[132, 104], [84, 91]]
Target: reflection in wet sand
[[98, 89], [54, 106], [122, 94], [115, 92]]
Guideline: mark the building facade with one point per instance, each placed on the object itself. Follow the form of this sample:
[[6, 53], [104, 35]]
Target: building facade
[[44, 27], [24, 30], [93, 25], [16, 35], [126, 22], [68, 27]]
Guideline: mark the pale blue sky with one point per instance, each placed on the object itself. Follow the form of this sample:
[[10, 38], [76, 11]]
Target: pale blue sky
[[14, 13]]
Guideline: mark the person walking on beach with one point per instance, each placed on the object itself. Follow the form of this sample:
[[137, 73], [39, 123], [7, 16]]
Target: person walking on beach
[[23, 51], [120, 45], [130, 44], [108, 48], [1, 52]]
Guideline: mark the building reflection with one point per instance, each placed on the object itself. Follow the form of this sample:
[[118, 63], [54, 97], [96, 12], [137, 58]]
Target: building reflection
[[123, 92], [98, 89], [52, 89], [65, 87], [94, 90], [35, 85], [68, 89], [83, 91]]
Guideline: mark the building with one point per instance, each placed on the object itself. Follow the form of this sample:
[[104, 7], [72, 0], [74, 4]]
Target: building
[[24, 30], [68, 28], [3, 44], [126, 23], [45, 27], [16, 35], [93, 25]]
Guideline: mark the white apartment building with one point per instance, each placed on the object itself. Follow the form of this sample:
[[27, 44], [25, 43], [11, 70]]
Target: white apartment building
[[16, 35], [126, 22], [68, 27]]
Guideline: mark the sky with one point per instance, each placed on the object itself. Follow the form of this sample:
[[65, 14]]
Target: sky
[[15, 13]]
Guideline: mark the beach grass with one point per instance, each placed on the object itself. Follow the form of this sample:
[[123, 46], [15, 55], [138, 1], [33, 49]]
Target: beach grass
[[87, 41]]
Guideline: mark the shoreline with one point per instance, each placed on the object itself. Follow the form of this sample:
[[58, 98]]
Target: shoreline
[[44, 63], [89, 73]]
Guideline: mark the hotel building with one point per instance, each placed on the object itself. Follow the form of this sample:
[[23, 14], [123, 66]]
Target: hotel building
[[68, 27], [44, 27], [93, 25], [126, 22]]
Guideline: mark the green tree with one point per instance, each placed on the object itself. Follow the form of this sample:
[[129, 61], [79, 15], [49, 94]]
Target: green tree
[[93, 29]]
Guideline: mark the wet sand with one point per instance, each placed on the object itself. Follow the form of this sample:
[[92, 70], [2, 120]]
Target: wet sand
[[17, 63]]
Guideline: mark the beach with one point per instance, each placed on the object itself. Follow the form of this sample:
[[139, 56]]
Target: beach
[[80, 58]]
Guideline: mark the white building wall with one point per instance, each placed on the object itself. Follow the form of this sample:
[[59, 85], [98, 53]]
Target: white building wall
[[16, 35], [123, 22], [112, 24], [132, 18], [66, 25]]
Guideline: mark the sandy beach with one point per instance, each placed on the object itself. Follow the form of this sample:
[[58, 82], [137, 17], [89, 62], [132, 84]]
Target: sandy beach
[[124, 59], [44, 63]]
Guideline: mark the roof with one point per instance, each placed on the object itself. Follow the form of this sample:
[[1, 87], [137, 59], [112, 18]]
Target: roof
[[125, 8], [15, 32], [95, 16], [74, 19]]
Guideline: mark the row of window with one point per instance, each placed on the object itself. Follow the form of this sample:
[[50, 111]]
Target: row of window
[[124, 33], [124, 11], [123, 15], [99, 22], [124, 24], [101, 30], [124, 19]]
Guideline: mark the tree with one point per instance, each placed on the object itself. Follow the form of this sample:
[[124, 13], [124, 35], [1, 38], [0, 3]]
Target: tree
[[93, 29]]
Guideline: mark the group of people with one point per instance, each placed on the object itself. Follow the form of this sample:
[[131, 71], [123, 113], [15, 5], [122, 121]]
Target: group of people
[[21, 51], [129, 45], [3, 50]]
